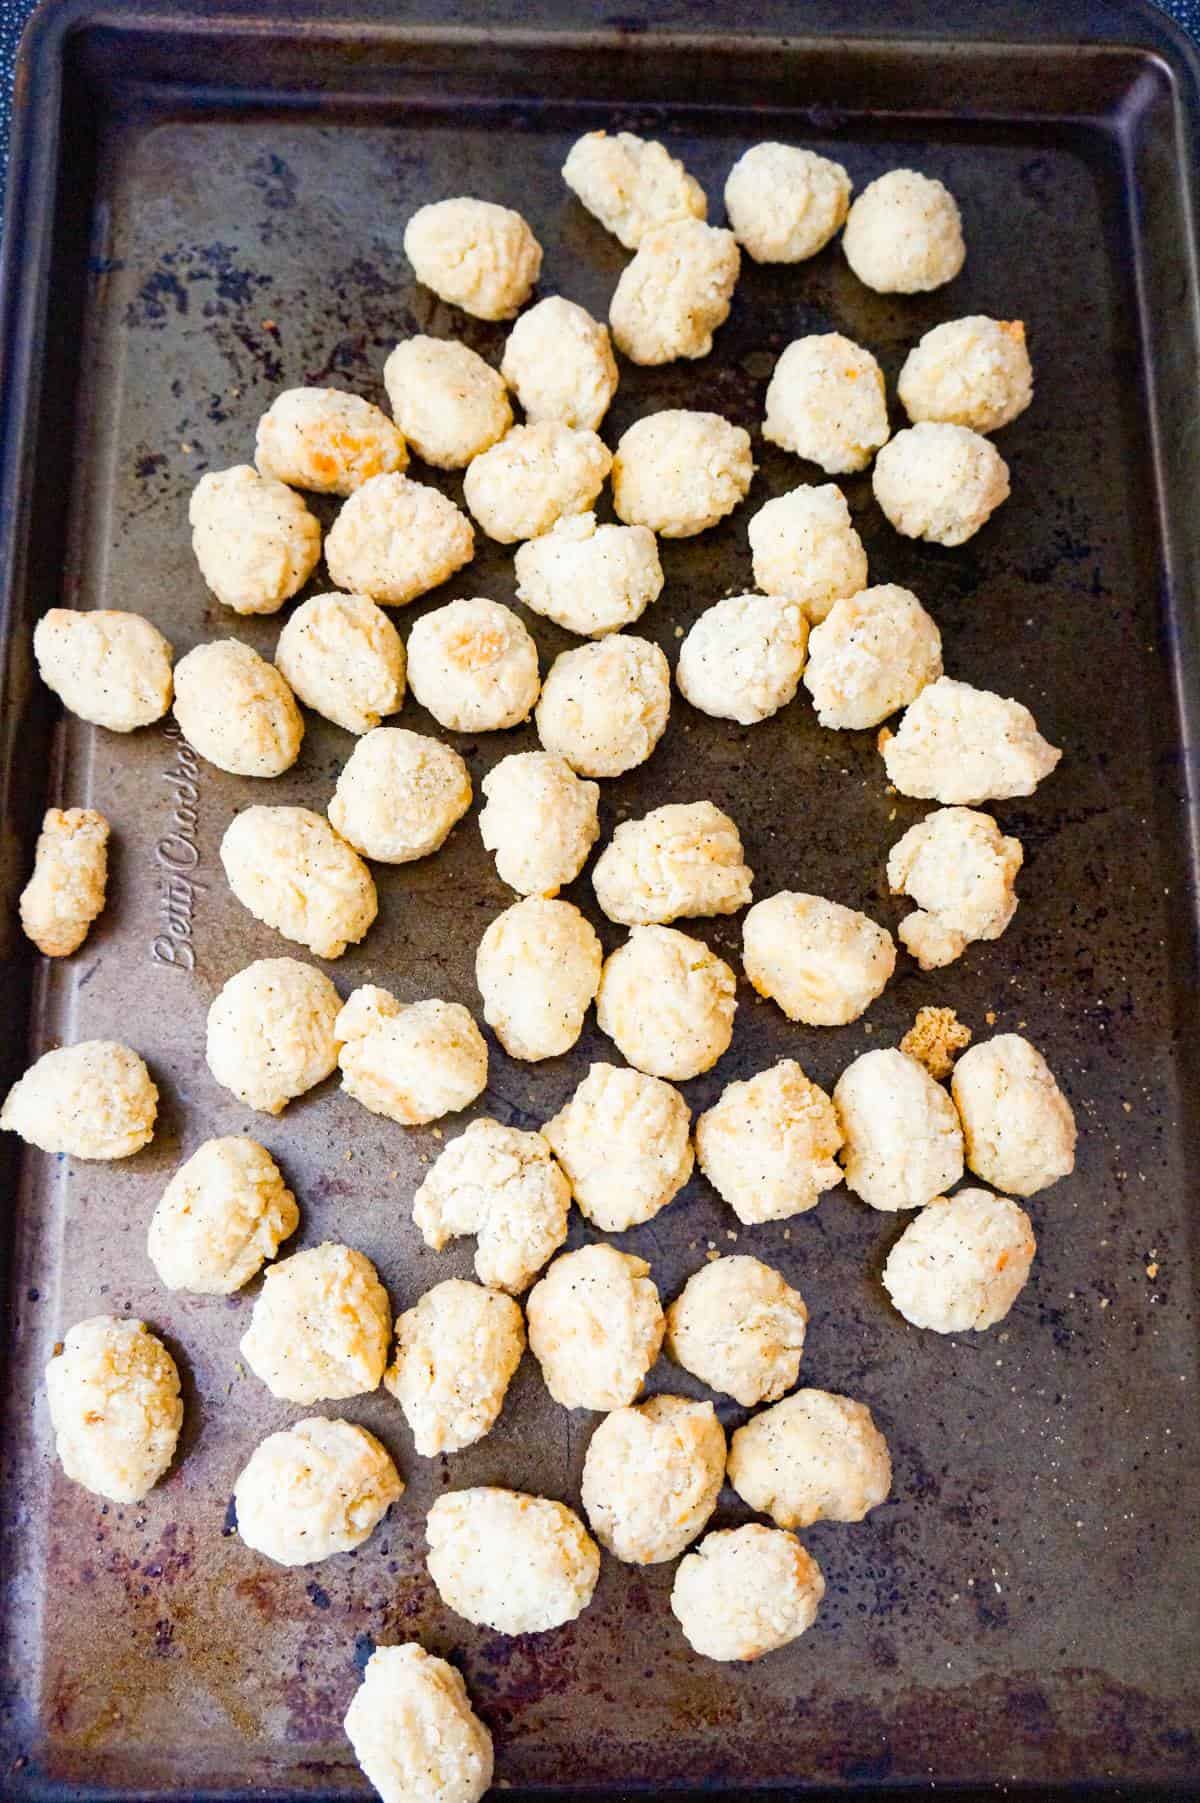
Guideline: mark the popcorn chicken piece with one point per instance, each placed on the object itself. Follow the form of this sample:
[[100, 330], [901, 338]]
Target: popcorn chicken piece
[[590, 579], [873, 653], [676, 292], [224, 1213], [481, 257], [667, 1002], [745, 1592], [939, 483], [814, 1456], [904, 234], [961, 1263], [533, 477], [236, 710], [93, 1100], [327, 441], [70, 875], [960, 869], [605, 706], [538, 970], [270, 1032], [784, 203], [290, 869], [595, 1327], [968, 372], [824, 964], [623, 1140], [679, 472], [741, 660], [935, 1039], [410, 1062], [1018, 1125], [395, 539], [684, 858], [254, 539], [399, 795], [342, 657], [318, 1488], [958, 744], [456, 1353], [739, 1328], [539, 819], [413, 1730], [320, 1327], [631, 184], [903, 1144], [826, 402], [503, 1186], [767, 1145], [112, 669], [560, 365], [113, 1392], [450, 405], [518, 1564], [474, 666], [652, 1477], [806, 549]]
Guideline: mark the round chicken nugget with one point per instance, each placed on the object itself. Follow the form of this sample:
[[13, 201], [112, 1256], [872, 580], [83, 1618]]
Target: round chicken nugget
[[481, 257], [503, 1186], [812, 1457], [326, 440], [784, 203], [342, 656], [745, 1592], [535, 475], [939, 482], [290, 869], [236, 710], [739, 1328], [320, 1327], [903, 1144], [518, 1564], [590, 579], [667, 1002], [449, 403], [960, 870], [1017, 1124], [962, 1263], [224, 1213], [93, 1100], [676, 292], [595, 1327], [270, 1032], [623, 1140], [254, 539], [399, 795], [395, 539], [873, 653], [560, 365], [456, 1352], [112, 669], [473, 665], [652, 1476], [605, 706], [414, 1732], [826, 402], [631, 184], [66, 892], [539, 819], [538, 970], [904, 234], [767, 1144], [823, 963], [113, 1391], [968, 372], [411, 1063], [684, 858], [741, 660], [320, 1487], [680, 471], [961, 744], [806, 549]]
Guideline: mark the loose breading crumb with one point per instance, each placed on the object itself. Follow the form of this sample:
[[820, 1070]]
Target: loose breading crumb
[[935, 1039]]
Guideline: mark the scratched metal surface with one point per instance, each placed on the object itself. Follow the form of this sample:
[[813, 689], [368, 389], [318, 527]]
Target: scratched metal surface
[[1023, 1607]]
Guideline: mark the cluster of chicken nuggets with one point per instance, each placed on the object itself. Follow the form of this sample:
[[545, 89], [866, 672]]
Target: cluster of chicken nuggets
[[625, 1143]]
